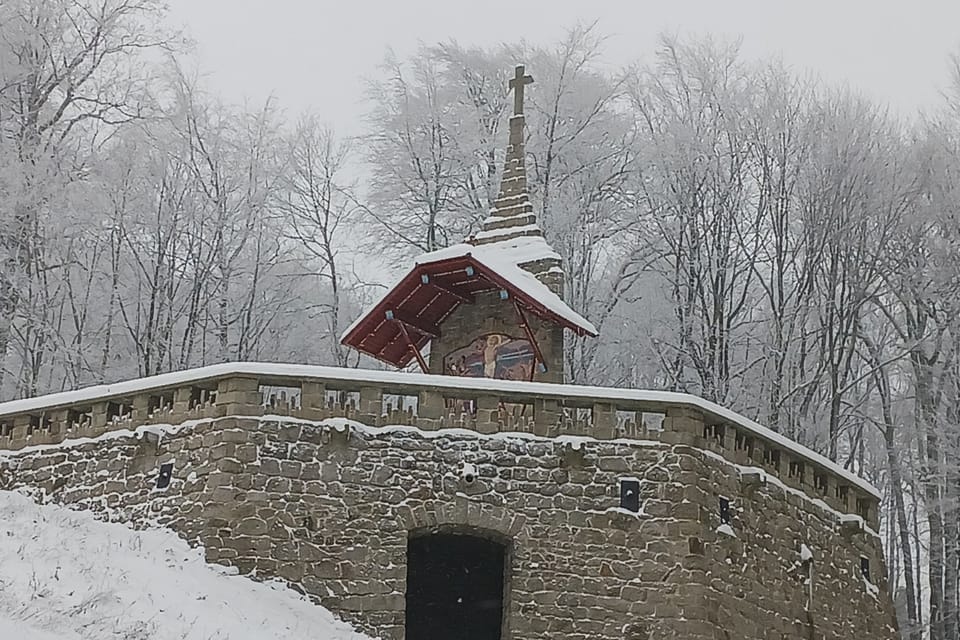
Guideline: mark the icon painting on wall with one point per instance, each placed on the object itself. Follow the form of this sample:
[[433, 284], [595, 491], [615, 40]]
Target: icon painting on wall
[[494, 355]]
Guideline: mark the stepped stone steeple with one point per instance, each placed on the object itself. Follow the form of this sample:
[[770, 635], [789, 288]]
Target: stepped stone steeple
[[511, 217]]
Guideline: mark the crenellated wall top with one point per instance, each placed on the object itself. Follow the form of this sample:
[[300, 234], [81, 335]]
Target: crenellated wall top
[[433, 402]]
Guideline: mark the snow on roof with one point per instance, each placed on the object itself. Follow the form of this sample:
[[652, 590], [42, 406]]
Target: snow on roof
[[520, 250], [298, 371], [505, 258], [530, 230]]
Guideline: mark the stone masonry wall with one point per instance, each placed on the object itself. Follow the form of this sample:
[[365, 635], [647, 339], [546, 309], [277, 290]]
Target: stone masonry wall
[[757, 578], [490, 314], [329, 506]]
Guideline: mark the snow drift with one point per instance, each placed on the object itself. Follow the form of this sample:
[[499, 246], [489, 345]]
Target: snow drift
[[65, 575]]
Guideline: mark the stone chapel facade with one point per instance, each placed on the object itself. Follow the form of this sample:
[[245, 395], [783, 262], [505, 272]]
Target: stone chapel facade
[[486, 503]]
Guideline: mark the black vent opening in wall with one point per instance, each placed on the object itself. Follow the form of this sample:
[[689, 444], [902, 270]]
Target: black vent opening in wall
[[865, 568], [630, 494], [166, 472], [724, 511]]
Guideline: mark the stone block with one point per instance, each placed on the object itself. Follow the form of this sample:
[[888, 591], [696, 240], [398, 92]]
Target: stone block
[[604, 421], [292, 571], [488, 414], [290, 468], [371, 405], [245, 452], [430, 405], [313, 395]]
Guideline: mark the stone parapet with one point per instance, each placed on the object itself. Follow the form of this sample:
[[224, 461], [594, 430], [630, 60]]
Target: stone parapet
[[434, 402]]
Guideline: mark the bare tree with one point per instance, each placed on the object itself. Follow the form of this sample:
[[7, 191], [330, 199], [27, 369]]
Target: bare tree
[[709, 236], [318, 206], [429, 187], [72, 72]]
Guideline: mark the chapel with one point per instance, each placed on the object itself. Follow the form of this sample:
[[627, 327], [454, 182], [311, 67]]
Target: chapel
[[489, 307]]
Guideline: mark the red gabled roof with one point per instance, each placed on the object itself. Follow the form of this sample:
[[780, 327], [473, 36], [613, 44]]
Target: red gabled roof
[[430, 292]]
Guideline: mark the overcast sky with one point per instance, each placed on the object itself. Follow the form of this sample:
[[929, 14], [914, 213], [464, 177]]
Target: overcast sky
[[314, 54]]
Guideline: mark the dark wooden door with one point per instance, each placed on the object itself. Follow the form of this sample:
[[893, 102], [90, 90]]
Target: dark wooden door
[[454, 588]]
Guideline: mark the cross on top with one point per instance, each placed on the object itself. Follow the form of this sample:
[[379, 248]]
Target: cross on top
[[517, 83]]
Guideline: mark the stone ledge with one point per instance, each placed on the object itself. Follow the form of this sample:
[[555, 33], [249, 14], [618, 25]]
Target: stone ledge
[[555, 410]]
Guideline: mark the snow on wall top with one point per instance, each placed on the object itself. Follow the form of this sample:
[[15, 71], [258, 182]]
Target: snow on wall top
[[306, 372]]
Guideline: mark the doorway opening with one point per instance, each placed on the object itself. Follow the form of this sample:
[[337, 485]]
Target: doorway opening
[[455, 587]]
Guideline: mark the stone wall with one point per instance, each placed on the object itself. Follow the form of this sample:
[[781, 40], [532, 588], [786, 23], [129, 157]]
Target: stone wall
[[328, 507], [758, 579], [490, 314], [431, 403]]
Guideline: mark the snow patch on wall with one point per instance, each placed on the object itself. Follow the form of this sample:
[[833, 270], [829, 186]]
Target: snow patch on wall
[[158, 430]]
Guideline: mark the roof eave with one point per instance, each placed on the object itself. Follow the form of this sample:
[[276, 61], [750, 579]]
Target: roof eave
[[365, 326]]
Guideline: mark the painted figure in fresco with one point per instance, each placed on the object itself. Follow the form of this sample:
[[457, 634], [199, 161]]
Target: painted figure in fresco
[[490, 347], [494, 355]]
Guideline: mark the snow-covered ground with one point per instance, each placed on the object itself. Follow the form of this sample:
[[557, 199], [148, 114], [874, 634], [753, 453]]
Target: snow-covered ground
[[66, 576]]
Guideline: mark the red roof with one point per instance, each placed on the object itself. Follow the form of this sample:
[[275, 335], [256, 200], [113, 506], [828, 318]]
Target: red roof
[[428, 294]]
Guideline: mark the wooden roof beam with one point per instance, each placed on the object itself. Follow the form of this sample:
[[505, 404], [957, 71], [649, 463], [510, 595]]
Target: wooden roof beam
[[413, 349], [412, 323], [532, 338], [462, 297]]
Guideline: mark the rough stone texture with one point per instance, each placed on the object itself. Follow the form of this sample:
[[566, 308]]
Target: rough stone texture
[[329, 509], [490, 314], [512, 214]]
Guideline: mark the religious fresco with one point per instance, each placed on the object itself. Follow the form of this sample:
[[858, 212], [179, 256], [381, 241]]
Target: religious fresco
[[494, 355]]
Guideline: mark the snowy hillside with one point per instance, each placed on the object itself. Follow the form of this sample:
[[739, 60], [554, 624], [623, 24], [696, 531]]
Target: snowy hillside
[[66, 576]]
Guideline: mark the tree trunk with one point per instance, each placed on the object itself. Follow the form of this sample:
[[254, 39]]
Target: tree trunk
[[912, 630]]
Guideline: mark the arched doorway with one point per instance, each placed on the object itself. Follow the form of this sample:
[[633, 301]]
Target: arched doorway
[[455, 587]]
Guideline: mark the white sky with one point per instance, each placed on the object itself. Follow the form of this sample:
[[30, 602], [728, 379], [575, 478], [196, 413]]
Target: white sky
[[314, 54]]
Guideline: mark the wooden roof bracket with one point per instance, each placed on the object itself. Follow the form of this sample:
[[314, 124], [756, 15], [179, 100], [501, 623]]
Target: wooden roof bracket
[[413, 347], [533, 340], [409, 323], [427, 280]]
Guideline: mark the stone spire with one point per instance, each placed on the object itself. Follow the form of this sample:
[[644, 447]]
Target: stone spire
[[511, 216]]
